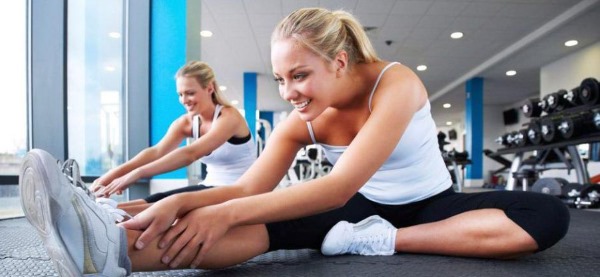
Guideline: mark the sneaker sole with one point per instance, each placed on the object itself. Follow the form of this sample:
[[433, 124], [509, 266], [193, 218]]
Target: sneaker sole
[[39, 186]]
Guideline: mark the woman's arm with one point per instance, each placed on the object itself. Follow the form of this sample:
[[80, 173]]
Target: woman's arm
[[175, 134], [263, 176], [222, 129]]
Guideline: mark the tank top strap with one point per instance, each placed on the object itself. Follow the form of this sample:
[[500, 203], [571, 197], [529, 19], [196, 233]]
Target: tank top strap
[[311, 132], [218, 109], [377, 82], [196, 126]]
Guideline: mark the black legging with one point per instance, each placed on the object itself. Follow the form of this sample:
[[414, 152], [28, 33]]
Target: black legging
[[158, 196], [544, 217]]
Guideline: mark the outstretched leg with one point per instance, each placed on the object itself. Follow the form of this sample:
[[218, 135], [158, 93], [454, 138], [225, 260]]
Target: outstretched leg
[[488, 225], [486, 233]]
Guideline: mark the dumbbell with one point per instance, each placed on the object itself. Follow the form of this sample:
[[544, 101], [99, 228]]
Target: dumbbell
[[503, 140], [551, 186], [548, 129], [589, 91], [545, 105], [557, 102], [578, 124], [573, 97], [534, 132], [520, 138], [532, 108]]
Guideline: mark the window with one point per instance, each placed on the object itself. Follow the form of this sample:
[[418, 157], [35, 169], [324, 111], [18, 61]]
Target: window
[[13, 96], [13, 102], [95, 84]]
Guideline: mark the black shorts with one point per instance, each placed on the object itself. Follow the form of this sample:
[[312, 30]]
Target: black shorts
[[544, 217], [158, 196]]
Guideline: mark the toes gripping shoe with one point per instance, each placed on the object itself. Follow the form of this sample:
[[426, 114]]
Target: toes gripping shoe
[[80, 237]]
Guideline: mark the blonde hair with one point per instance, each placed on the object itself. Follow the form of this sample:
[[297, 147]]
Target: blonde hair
[[204, 75], [327, 33]]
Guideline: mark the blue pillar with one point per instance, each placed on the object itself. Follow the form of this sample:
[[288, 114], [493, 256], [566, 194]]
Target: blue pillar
[[167, 54], [250, 88], [474, 127]]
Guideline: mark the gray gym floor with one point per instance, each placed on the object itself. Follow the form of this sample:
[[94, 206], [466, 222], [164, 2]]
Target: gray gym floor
[[578, 254]]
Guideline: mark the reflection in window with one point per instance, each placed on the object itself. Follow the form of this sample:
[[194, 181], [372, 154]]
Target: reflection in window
[[13, 88], [95, 84]]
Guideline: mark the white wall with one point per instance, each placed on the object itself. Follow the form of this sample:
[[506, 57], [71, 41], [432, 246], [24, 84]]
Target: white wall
[[569, 71]]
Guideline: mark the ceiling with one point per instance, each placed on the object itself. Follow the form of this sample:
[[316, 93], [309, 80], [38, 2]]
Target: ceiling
[[499, 35]]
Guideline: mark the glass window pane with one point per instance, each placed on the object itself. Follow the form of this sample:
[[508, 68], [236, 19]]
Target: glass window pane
[[13, 101], [13, 88], [95, 84]]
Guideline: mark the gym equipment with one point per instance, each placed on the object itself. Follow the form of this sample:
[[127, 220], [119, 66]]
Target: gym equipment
[[532, 108], [548, 129], [458, 156], [557, 102], [579, 124], [503, 140], [589, 196], [534, 132], [520, 138], [525, 177], [551, 186], [573, 97], [571, 190], [589, 91], [545, 105]]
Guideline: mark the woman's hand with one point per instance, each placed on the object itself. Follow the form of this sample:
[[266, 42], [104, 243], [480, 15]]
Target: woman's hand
[[153, 221], [195, 233], [98, 184], [118, 185]]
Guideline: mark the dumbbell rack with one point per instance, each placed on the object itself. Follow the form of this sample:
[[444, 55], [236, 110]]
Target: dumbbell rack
[[569, 147]]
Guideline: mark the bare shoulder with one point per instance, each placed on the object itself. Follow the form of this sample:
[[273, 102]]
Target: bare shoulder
[[294, 128], [399, 84], [182, 125]]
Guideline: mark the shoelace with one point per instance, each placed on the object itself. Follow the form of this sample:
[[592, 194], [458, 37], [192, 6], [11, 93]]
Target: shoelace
[[70, 168], [361, 244], [111, 207]]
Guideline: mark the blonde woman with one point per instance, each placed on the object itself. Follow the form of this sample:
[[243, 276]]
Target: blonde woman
[[373, 119], [223, 141]]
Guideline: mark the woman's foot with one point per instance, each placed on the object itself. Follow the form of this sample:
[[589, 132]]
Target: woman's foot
[[79, 236]]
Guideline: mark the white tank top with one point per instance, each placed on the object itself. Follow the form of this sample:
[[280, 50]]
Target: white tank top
[[228, 162], [415, 170]]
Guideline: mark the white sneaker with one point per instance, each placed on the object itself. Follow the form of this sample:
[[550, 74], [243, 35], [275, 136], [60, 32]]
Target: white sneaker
[[373, 236], [80, 237]]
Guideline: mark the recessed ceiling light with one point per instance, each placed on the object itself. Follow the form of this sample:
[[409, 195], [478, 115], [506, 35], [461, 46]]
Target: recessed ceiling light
[[235, 102], [511, 73], [456, 35], [447, 106], [448, 123], [422, 67], [570, 43], [114, 34], [222, 88], [109, 68], [206, 33]]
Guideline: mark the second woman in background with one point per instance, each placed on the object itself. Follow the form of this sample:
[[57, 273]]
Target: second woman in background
[[223, 141]]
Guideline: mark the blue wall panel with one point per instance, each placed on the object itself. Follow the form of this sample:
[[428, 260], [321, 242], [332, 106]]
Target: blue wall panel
[[167, 54]]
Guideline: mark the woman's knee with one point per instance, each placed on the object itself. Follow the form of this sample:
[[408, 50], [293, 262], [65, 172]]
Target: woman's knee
[[546, 218]]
